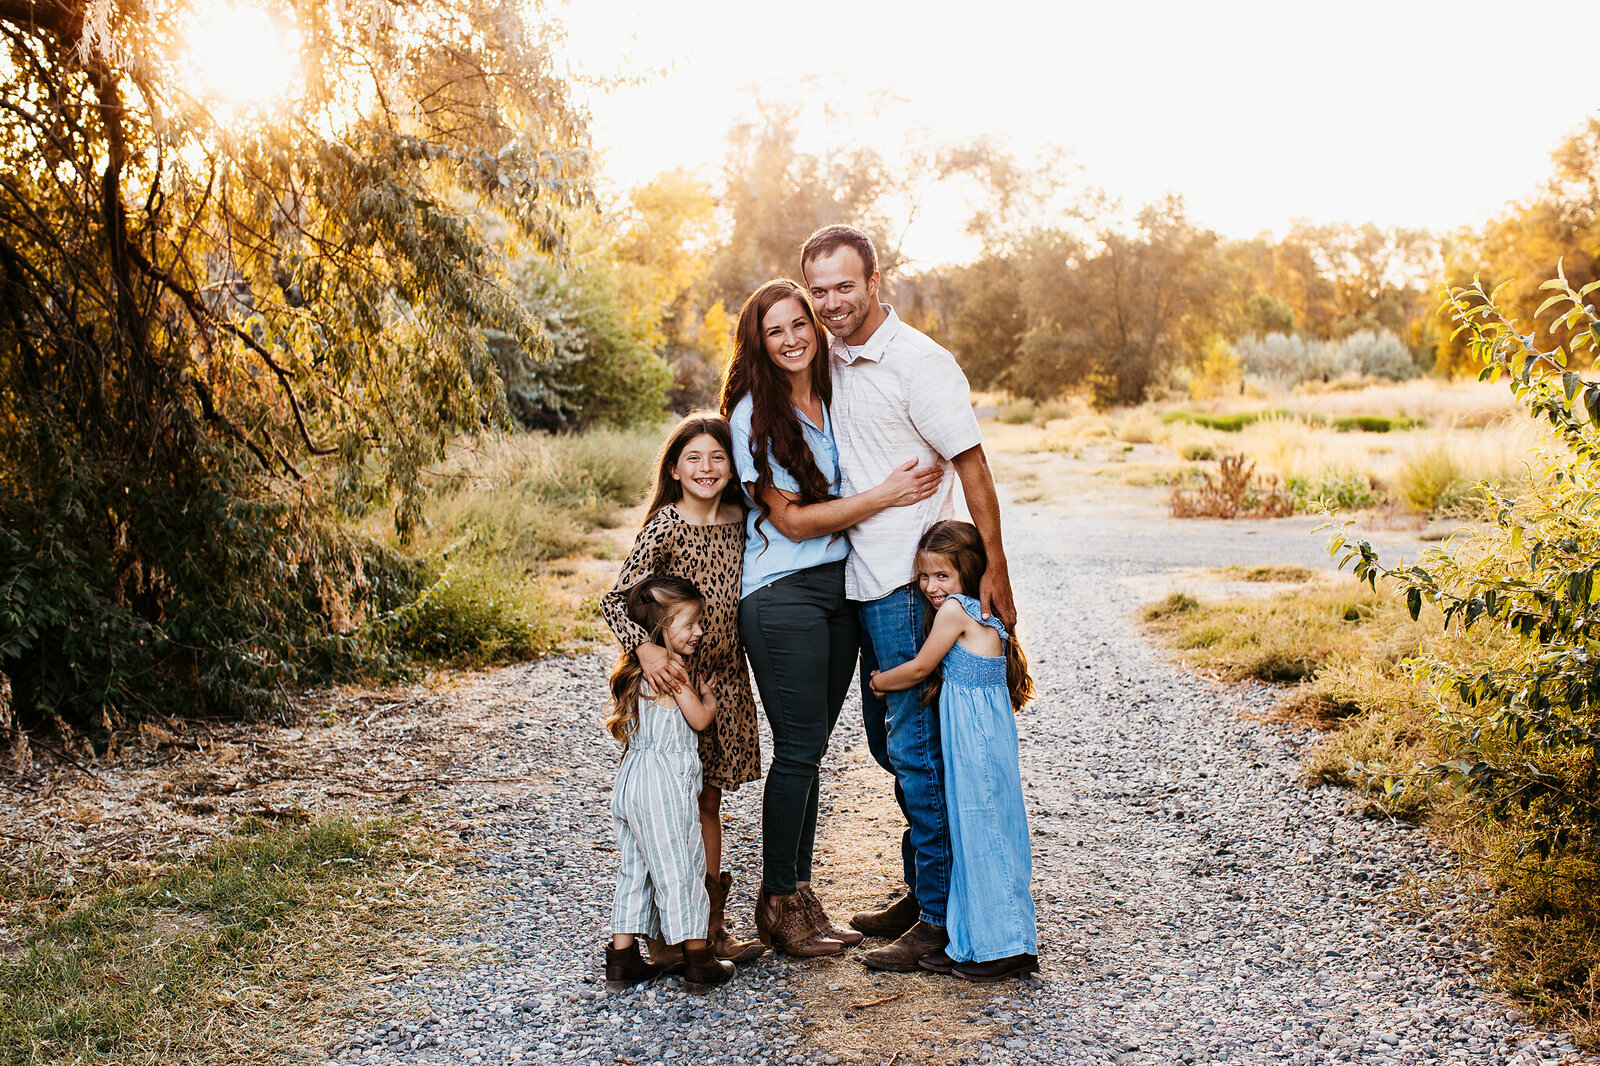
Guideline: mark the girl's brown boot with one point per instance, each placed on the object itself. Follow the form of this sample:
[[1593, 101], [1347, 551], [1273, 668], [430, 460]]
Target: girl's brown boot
[[703, 971], [723, 944], [625, 967]]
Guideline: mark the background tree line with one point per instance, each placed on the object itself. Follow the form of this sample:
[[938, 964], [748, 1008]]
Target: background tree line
[[225, 337]]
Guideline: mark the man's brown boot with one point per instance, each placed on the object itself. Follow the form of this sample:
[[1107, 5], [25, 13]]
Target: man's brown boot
[[723, 944], [902, 956], [667, 956], [892, 921], [625, 968], [703, 971]]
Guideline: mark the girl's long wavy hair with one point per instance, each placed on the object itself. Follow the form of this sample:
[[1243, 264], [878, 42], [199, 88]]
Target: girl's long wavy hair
[[960, 543], [775, 434], [668, 489], [650, 604]]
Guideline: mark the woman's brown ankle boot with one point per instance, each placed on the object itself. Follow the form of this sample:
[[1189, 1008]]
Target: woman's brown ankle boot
[[819, 917], [786, 923], [625, 967], [723, 944], [703, 971]]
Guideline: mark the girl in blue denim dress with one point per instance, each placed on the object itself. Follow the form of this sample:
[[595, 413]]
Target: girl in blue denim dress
[[979, 676]]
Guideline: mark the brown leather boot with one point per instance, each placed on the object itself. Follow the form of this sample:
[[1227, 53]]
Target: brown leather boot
[[703, 971], [997, 969], [902, 956], [785, 925], [819, 917], [723, 944], [892, 921], [667, 956], [625, 968]]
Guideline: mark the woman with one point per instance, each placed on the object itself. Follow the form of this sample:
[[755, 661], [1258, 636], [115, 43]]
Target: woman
[[798, 631]]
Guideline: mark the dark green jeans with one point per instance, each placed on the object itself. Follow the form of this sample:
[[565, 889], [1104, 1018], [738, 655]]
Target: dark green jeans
[[801, 637]]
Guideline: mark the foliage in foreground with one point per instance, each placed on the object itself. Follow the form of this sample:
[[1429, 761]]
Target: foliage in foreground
[[223, 956], [1518, 691], [201, 308], [1530, 576]]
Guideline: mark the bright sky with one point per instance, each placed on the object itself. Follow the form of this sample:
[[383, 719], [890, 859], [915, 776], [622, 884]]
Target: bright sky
[[1256, 112]]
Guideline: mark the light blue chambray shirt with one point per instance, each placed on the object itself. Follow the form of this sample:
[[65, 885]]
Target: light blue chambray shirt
[[778, 556]]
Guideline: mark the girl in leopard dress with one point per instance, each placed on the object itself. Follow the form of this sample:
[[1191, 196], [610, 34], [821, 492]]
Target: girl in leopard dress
[[694, 529]]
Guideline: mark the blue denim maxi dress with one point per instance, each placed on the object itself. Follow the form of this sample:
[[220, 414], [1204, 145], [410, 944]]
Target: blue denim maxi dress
[[991, 912]]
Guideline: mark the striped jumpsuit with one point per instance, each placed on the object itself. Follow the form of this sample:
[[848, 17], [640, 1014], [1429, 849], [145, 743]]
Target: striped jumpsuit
[[661, 888]]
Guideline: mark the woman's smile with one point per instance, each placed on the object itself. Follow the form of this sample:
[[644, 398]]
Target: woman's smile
[[789, 337]]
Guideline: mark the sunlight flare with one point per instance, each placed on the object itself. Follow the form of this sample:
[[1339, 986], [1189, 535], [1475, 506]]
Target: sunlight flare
[[242, 58]]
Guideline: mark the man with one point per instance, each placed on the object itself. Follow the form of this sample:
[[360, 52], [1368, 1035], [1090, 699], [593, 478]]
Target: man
[[898, 395]]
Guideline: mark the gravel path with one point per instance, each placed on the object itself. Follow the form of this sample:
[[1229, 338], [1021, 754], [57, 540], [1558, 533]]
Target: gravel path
[[1196, 903]]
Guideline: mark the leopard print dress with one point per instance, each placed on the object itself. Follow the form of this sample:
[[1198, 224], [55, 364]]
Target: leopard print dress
[[713, 558]]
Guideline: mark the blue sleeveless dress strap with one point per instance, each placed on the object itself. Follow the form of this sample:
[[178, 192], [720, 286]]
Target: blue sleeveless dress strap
[[975, 609], [991, 911]]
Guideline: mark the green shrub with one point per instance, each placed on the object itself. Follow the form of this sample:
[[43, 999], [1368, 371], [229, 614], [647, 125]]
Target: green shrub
[[1430, 478], [1336, 487], [1019, 412], [474, 614], [1376, 423], [1199, 453]]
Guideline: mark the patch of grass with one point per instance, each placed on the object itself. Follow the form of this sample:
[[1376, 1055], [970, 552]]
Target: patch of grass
[[1385, 734], [1018, 412], [1198, 452], [228, 956], [1175, 604], [1376, 423], [1287, 638], [503, 508], [1235, 421], [1431, 479], [1223, 423], [1282, 573]]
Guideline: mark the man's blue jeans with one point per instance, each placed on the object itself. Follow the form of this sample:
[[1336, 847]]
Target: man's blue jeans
[[903, 735]]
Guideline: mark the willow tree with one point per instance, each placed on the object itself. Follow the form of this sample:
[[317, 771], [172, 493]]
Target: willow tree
[[221, 319]]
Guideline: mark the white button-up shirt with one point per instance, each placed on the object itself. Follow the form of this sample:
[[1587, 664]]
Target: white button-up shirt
[[899, 396]]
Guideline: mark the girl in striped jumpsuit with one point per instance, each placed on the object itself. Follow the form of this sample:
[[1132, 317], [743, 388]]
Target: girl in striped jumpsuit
[[655, 808]]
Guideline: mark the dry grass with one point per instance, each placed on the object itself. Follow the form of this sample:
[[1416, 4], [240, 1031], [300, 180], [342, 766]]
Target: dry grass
[[354, 776], [1470, 431], [1288, 638], [511, 535], [236, 954]]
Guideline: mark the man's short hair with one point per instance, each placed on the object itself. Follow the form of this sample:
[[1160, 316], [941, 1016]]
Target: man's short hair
[[830, 239]]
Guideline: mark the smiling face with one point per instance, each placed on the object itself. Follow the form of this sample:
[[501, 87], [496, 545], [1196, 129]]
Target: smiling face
[[938, 578], [703, 468], [682, 632], [844, 295], [788, 337]]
